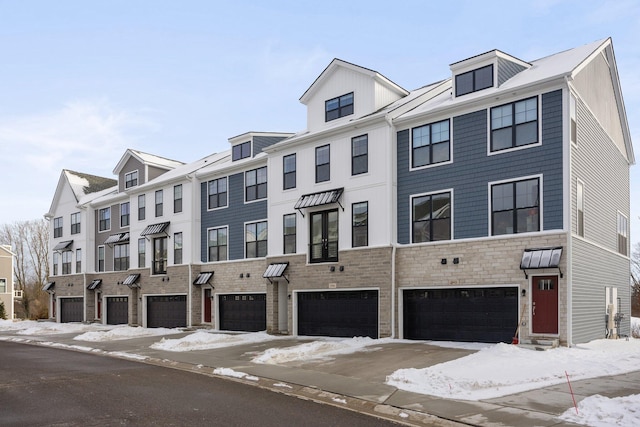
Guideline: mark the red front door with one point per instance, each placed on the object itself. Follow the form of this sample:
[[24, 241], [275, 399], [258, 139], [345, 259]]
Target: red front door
[[544, 305], [207, 305]]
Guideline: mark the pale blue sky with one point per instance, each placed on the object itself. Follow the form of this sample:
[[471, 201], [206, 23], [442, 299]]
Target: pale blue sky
[[82, 81]]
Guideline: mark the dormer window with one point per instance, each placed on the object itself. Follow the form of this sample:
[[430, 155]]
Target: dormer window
[[338, 107], [131, 179], [474, 80], [241, 151]]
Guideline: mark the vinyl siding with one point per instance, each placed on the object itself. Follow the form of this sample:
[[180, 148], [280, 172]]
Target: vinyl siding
[[472, 169], [261, 142], [233, 216], [507, 69]]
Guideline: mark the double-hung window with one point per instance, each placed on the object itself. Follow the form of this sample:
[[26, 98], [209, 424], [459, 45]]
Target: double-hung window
[[66, 262], [289, 228], [121, 257], [256, 184], [360, 224], [474, 80], [623, 233], [131, 179], [515, 207], [142, 252], [57, 227], [431, 217], [580, 208], [430, 144], [514, 125], [104, 219], [338, 107], [100, 258], [177, 248], [55, 263], [217, 244], [160, 255], [217, 193], [78, 261], [241, 151], [159, 203], [359, 155], [323, 163], [124, 214], [289, 172], [142, 204], [256, 239], [177, 198], [75, 223]]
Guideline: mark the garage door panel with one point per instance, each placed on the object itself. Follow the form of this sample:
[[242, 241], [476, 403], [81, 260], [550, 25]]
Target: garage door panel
[[338, 313], [117, 310], [243, 312], [167, 311], [482, 315], [71, 309]]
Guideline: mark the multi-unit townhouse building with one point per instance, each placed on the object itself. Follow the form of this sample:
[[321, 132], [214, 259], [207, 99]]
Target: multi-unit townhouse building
[[490, 204]]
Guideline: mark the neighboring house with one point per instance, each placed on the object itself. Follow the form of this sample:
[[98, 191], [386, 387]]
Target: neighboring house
[[491, 204], [7, 294]]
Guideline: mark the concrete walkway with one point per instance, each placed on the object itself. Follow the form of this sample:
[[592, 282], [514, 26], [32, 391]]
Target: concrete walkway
[[357, 381]]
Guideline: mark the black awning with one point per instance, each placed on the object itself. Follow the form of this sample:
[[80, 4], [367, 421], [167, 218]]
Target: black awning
[[533, 259], [48, 287], [94, 284], [155, 229], [275, 270], [131, 279], [63, 246], [319, 199], [117, 238], [203, 278]]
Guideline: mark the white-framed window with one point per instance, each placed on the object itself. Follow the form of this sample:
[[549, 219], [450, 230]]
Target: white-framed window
[[142, 252], [573, 130], [516, 206], [159, 203], [177, 248], [217, 245], [217, 193], [57, 227], [78, 260], [131, 179], [121, 257], [255, 184], [3, 285], [177, 198], [75, 223], [66, 262], [255, 239], [100, 258], [289, 233], [514, 125], [142, 207], [124, 214], [55, 263], [430, 144], [431, 216], [104, 219], [623, 234], [580, 208]]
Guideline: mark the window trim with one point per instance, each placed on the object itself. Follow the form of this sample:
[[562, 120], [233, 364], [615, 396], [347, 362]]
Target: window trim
[[490, 184], [226, 194], [68, 256], [293, 172], [176, 208], [76, 227], [142, 209], [125, 215], [366, 155], [256, 185], [120, 247], [101, 248], [328, 146], [210, 229], [620, 215], [100, 229], [451, 216], [284, 234], [58, 227], [260, 221], [431, 165], [158, 206], [127, 181], [490, 152], [354, 227]]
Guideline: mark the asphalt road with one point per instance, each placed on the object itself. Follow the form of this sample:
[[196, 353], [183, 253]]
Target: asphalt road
[[41, 386]]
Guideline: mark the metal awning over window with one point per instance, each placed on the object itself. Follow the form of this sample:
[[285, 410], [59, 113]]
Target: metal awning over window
[[117, 238], [319, 199], [48, 287], [131, 280], [155, 229], [541, 258], [203, 278], [276, 270], [94, 284], [63, 246]]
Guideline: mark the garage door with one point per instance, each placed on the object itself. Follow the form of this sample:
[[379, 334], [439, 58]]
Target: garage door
[[117, 310], [243, 312], [470, 314], [167, 311], [338, 313], [71, 310]]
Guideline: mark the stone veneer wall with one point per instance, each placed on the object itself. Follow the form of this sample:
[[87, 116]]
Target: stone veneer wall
[[485, 262]]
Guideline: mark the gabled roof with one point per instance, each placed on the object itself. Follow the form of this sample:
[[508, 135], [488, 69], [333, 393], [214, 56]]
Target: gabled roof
[[337, 63], [83, 186], [7, 249], [146, 159]]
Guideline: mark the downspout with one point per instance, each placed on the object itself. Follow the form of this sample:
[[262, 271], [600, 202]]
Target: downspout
[[392, 217], [568, 216], [191, 254]]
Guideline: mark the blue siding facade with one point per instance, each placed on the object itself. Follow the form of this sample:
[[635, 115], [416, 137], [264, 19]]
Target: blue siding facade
[[234, 216], [472, 169], [260, 142], [507, 69]]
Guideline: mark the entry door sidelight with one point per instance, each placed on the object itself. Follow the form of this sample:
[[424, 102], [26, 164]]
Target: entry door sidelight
[[544, 305], [324, 236]]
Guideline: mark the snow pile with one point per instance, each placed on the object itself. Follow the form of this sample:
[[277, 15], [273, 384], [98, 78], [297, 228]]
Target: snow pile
[[600, 411], [202, 340], [317, 350], [228, 372], [504, 369], [31, 327], [124, 333]]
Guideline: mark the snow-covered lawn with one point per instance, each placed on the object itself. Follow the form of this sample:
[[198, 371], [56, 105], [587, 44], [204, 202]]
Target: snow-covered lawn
[[494, 370]]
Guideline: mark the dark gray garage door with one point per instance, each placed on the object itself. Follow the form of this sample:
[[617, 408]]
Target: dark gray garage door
[[117, 310], [71, 310], [243, 312], [167, 311], [470, 314], [338, 313]]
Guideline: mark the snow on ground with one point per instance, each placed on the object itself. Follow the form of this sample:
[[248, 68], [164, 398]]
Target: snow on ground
[[124, 333], [202, 340], [600, 411], [31, 327]]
